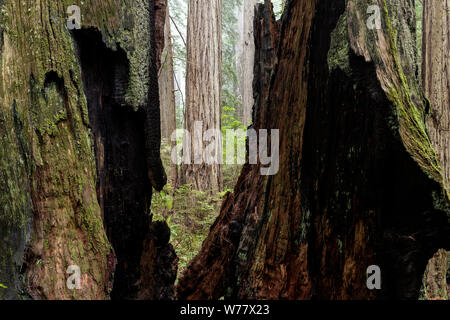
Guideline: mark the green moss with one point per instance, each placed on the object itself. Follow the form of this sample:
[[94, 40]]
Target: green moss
[[411, 118], [49, 135], [135, 43], [338, 55]]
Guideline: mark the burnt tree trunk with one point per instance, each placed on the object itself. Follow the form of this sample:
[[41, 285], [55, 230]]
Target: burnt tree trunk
[[436, 82], [359, 181], [80, 137]]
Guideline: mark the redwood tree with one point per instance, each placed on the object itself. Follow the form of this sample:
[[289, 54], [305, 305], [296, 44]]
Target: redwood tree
[[79, 156], [203, 94], [245, 59], [359, 181], [436, 82], [167, 93]]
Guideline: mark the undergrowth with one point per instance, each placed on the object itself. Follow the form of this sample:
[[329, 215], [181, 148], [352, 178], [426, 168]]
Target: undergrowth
[[189, 213]]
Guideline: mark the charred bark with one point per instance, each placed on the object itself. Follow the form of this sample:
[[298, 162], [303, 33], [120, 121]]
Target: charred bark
[[159, 265], [84, 107], [123, 187], [359, 182], [126, 141]]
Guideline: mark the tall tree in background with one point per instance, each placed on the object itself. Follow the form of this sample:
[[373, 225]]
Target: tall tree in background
[[203, 93], [167, 93], [436, 81], [231, 100], [246, 58]]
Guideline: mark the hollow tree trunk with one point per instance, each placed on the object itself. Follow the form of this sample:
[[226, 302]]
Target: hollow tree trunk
[[79, 130], [203, 94], [436, 81], [359, 182]]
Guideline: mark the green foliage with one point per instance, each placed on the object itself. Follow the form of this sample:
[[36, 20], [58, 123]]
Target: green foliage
[[229, 121], [231, 172], [231, 104], [278, 7], [230, 37], [3, 286], [189, 214]]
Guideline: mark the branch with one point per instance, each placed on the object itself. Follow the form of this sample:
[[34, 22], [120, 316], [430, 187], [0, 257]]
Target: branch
[[179, 32]]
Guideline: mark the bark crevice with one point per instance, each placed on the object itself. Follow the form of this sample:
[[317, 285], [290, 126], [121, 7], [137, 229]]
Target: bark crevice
[[119, 133]]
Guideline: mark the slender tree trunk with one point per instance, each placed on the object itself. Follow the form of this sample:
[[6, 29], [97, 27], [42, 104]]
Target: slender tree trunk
[[359, 183], [203, 95], [245, 57], [436, 81], [167, 95], [161, 11]]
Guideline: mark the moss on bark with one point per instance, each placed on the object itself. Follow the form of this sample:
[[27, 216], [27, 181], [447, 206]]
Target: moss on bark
[[48, 200]]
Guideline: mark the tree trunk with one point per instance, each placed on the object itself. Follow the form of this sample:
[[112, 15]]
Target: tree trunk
[[435, 280], [166, 83], [436, 81], [359, 183], [203, 94], [161, 16], [245, 59], [167, 96], [210, 283], [80, 139]]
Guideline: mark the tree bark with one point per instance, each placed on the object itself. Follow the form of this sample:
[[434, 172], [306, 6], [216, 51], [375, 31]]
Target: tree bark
[[245, 59], [167, 95], [436, 82], [161, 12], [359, 182], [80, 137], [244, 207], [203, 93], [435, 280]]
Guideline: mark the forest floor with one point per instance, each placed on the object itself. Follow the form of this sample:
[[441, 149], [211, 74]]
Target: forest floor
[[189, 213]]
